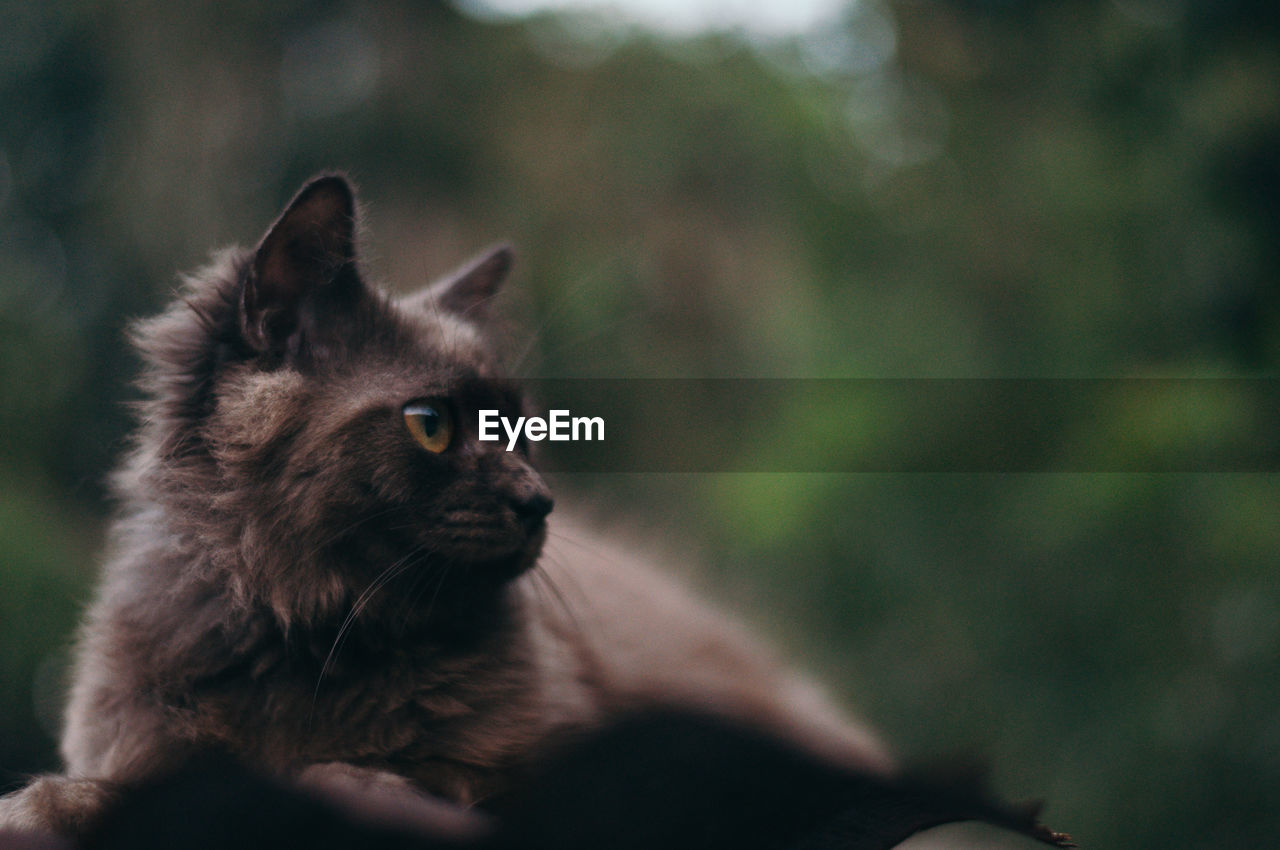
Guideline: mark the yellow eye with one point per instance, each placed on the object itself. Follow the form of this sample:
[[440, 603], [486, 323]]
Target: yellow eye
[[430, 423]]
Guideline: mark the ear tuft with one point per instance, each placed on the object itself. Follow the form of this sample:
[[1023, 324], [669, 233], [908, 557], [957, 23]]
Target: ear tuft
[[309, 247], [468, 291]]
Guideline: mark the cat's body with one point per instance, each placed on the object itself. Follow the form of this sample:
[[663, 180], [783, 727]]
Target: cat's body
[[318, 563]]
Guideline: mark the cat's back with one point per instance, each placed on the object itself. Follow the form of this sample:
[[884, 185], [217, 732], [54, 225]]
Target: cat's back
[[635, 635]]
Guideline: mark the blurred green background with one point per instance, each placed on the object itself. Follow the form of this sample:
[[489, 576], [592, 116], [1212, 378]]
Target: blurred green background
[[955, 188]]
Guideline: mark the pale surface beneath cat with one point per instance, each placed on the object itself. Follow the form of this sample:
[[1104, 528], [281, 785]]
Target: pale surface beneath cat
[[969, 836]]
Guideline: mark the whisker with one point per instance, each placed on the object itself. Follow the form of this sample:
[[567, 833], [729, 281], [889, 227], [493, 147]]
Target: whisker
[[421, 582], [409, 598], [357, 607], [544, 580], [571, 345], [444, 574], [353, 526], [561, 561], [562, 304], [561, 537]]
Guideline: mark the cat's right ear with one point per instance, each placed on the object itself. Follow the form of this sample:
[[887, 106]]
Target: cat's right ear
[[309, 251]]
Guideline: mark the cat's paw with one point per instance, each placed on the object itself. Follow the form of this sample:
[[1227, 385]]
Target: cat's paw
[[54, 804], [383, 798], [346, 777]]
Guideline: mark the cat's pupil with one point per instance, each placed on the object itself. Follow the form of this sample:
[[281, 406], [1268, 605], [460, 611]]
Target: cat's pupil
[[430, 425]]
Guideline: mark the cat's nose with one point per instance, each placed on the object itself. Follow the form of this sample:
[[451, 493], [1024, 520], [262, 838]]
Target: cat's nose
[[533, 508]]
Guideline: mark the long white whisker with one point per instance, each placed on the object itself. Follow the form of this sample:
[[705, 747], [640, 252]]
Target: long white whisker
[[420, 583], [444, 574], [566, 574], [357, 607], [544, 580]]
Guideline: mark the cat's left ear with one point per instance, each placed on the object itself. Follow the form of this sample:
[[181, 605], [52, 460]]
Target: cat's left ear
[[307, 254], [468, 291]]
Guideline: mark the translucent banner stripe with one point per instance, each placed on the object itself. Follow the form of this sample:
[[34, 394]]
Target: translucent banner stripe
[[907, 425]]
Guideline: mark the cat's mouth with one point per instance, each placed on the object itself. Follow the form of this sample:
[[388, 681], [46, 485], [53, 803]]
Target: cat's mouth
[[494, 554], [518, 563]]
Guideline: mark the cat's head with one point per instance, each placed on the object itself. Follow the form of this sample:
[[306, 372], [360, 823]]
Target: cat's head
[[317, 438]]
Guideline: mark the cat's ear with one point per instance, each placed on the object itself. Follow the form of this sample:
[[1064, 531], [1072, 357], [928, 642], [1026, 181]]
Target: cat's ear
[[310, 249], [467, 291]]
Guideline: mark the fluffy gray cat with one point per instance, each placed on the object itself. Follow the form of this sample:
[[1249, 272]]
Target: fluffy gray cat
[[319, 569]]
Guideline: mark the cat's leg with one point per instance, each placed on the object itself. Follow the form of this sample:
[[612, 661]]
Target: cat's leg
[[56, 804]]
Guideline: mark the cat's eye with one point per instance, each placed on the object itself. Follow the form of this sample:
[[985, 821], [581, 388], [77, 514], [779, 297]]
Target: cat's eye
[[430, 423]]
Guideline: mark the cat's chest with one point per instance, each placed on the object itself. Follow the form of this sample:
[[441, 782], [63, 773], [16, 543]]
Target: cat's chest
[[409, 709]]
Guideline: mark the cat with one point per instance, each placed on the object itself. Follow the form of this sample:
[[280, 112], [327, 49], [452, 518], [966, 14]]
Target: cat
[[319, 569]]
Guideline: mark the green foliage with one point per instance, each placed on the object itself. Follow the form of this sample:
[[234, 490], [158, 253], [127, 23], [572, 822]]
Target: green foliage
[[1036, 190]]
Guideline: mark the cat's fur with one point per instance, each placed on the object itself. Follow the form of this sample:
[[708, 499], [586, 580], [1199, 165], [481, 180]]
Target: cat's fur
[[295, 581]]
